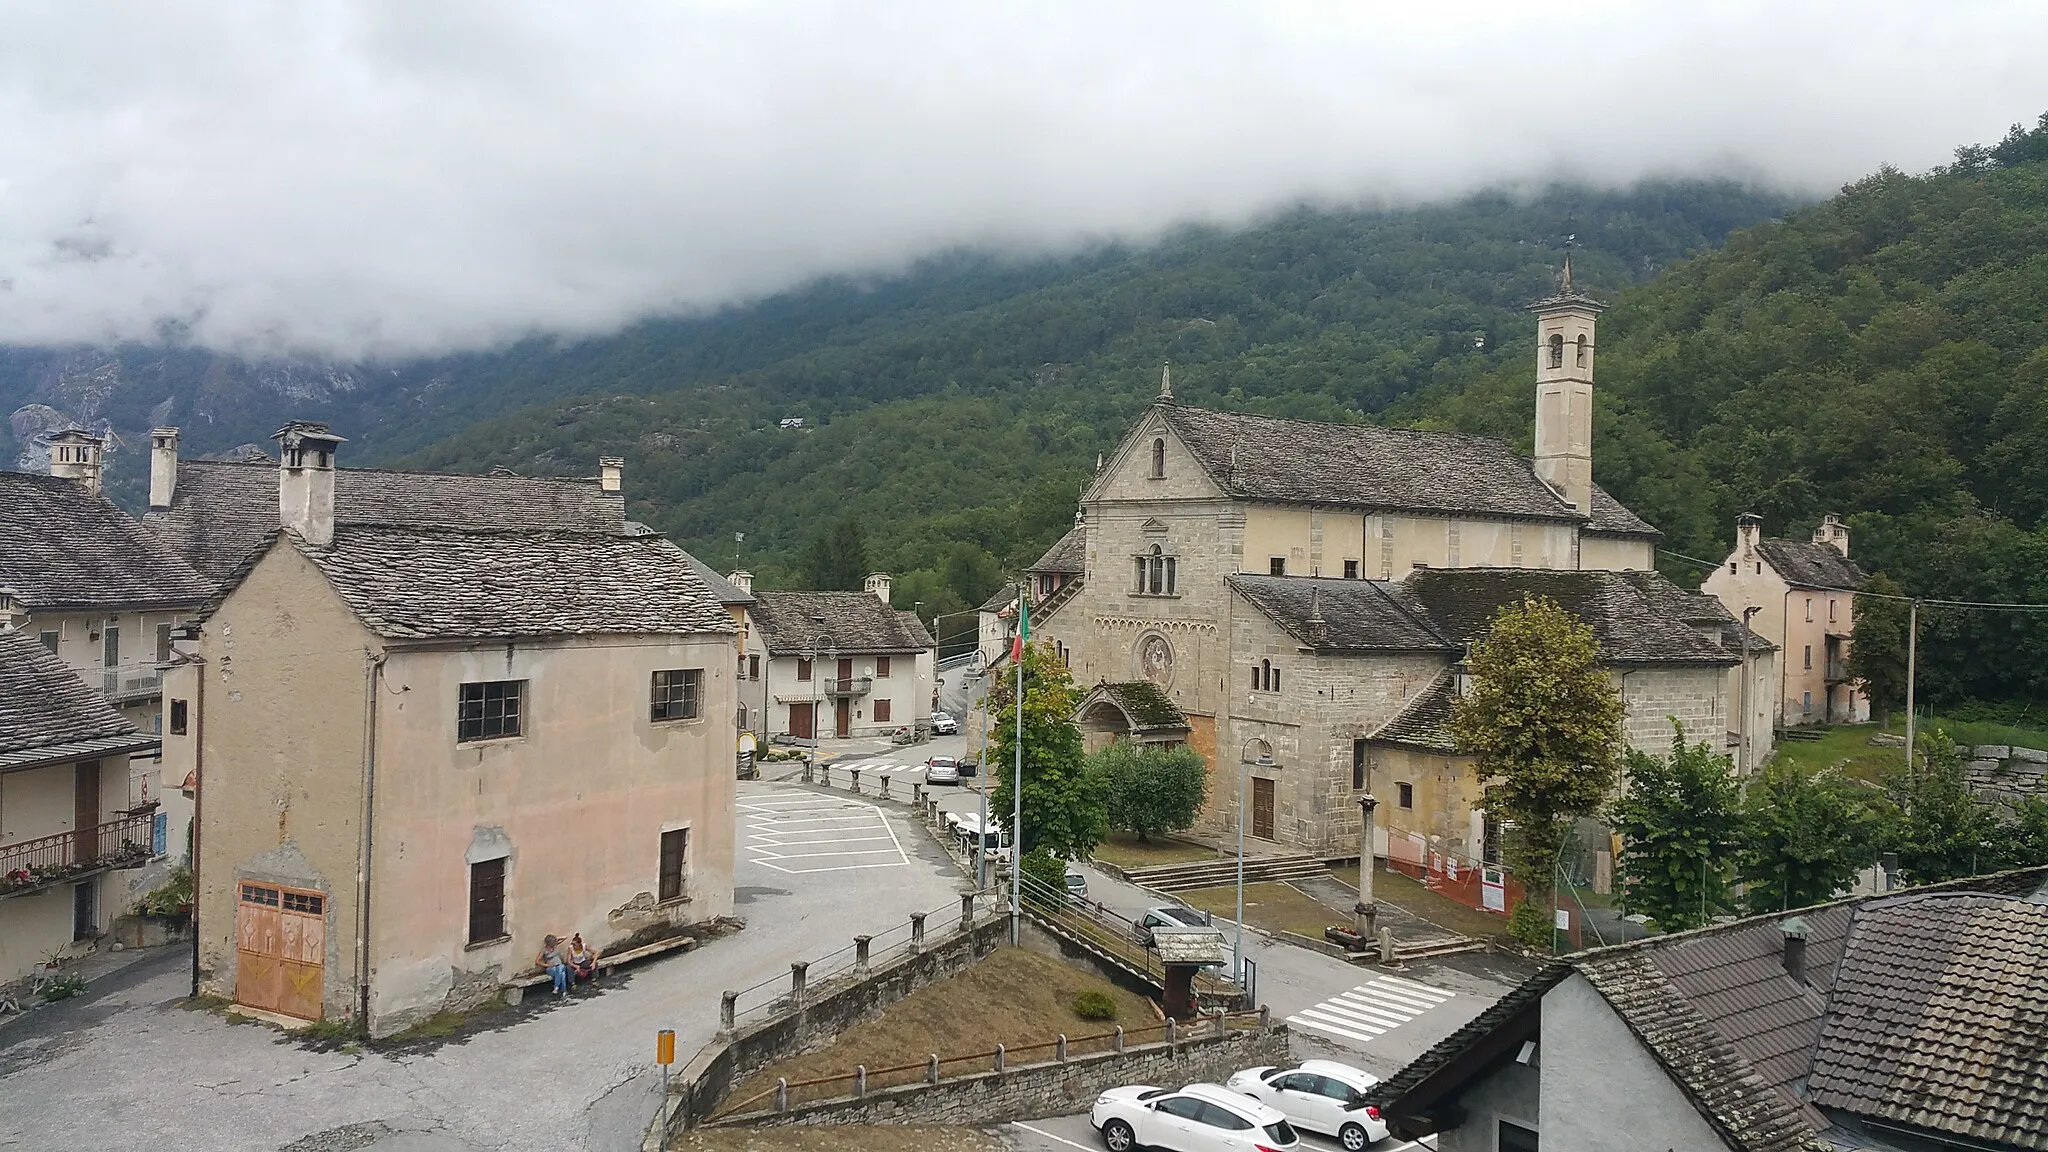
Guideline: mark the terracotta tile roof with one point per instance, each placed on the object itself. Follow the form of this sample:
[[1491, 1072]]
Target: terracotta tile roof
[[223, 510], [48, 714], [1065, 556], [1424, 721], [841, 622], [65, 548], [1805, 564], [428, 582], [1939, 1018], [1341, 616], [1629, 612], [1262, 458]]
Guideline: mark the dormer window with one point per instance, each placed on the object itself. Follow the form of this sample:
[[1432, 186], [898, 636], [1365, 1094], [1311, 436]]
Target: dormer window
[[1159, 459], [1557, 350]]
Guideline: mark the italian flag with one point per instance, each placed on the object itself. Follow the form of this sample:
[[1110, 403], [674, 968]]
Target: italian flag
[[1023, 636]]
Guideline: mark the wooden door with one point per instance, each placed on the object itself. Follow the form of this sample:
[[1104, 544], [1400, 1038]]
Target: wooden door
[[85, 834], [303, 933], [1262, 808], [281, 950], [800, 720], [842, 717]]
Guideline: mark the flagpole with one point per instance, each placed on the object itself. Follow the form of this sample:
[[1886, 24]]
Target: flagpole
[[1017, 784]]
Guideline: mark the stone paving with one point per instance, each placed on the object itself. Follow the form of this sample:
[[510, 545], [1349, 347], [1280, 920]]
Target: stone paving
[[129, 1065]]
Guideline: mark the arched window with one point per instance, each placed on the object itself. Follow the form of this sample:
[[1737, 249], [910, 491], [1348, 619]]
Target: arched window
[[1265, 677], [1155, 568], [1557, 350], [1158, 459], [1585, 350], [1157, 572]]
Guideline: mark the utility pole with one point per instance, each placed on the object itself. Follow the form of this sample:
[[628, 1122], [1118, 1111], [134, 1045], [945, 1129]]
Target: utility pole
[[1912, 662], [1017, 786], [1743, 698]]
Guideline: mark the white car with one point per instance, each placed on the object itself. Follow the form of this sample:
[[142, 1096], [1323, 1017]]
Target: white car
[[944, 724], [1198, 1118], [1319, 1096], [941, 770]]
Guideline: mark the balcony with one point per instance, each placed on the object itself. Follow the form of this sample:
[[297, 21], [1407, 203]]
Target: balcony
[[131, 684], [849, 686], [1837, 671], [46, 860]]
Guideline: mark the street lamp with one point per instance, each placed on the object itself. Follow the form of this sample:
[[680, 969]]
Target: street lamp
[[1244, 765], [811, 763]]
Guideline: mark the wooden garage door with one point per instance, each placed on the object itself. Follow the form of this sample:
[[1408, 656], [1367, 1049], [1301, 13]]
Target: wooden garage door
[[281, 950], [800, 720]]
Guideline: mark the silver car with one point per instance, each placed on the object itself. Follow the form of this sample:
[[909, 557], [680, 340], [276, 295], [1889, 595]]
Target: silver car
[[941, 770]]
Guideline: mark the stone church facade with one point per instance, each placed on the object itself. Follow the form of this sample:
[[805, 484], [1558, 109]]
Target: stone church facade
[[1295, 588]]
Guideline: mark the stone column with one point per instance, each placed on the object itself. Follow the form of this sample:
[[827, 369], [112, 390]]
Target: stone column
[[966, 911], [860, 955], [855, 786], [1366, 912], [916, 932], [726, 1003], [796, 982]]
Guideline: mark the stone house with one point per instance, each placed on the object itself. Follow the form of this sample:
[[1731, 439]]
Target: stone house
[[1906, 1022], [841, 664], [68, 830], [1258, 572], [421, 748], [1801, 596], [103, 595]]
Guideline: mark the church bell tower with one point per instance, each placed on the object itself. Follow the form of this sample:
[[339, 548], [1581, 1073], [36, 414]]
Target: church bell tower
[[1564, 390]]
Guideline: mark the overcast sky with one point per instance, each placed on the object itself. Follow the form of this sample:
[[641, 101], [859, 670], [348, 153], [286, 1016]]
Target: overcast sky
[[385, 179]]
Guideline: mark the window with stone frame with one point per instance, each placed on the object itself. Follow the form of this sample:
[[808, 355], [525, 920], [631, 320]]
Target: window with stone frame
[[491, 710], [677, 694], [1265, 677], [1157, 572], [1406, 793], [753, 667]]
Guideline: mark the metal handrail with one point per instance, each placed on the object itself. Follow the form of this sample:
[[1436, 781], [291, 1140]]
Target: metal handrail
[[125, 842]]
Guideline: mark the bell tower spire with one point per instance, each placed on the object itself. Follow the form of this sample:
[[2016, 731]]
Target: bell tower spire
[[1166, 380], [1564, 388]]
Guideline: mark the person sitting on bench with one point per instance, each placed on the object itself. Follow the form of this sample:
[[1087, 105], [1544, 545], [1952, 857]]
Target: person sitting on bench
[[582, 959]]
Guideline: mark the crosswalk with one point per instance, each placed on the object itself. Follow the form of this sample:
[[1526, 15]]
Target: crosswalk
[[1370, 1010]]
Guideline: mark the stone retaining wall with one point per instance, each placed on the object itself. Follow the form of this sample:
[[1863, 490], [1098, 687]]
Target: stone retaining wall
[[2006, 776]]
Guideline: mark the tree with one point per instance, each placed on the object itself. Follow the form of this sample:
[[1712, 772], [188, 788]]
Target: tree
[[1150, 790], [1065, 811], [1544, 723], [1877, 646], [1941, 832], [1678, 823], [838, 559], [1803, 837], [2026, 837]]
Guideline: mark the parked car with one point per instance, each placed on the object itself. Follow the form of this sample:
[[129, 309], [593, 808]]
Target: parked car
[[1319, 1096], [944, 724], [941, 770], [1198, 1118], [1167, 916], [1077, 886]]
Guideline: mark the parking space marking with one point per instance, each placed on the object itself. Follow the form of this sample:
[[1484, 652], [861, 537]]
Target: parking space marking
[[1049, 1136], [1370, 1010], [810, 833]]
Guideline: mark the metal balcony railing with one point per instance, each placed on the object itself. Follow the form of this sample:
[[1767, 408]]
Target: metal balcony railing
[[849, 686], [135, 682], [121, 843]]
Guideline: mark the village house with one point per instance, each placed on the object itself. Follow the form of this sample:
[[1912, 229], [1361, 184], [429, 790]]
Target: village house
[[1291, 588], [68, 828], [1914, 1021], [841, 664], [101, 594], [421, 748], [1801, 596]]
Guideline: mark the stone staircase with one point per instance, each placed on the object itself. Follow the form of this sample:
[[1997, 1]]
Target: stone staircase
[[1212, 873]]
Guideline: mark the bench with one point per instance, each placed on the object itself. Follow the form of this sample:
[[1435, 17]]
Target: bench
[[515, 987]]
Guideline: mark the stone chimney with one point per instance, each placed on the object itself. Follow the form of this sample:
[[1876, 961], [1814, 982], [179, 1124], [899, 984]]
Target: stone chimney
[[12, 610], [1749, 528], [163, 466], [610, 469], [75, 455], [305, 480], [1795, 948], [741, 579], [1832, 533], [878, 583]]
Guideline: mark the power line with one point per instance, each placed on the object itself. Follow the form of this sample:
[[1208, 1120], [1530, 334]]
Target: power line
[[1925, 601]]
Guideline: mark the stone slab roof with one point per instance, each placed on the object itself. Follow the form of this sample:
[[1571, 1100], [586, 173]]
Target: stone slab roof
[[1148, 708], [1612, 518], [1341, 616], [1629, 612], [841, 622], [221, 511], [1188, 945], [1065, 556], [1804, 564], [722, 590], [1939, 1018], [48, 714], [1265, 459], [435, 583], [64, 547], [1695, 608], [1004, 599], [1424, 721]]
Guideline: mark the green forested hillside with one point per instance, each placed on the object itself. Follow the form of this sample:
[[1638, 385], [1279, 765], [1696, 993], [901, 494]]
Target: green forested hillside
[[959, 437]]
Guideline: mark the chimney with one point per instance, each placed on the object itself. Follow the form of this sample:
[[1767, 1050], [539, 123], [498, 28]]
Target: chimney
[[609, 470], [305, 480], [1832, 533], [1795, 948], [878, 583], [75, 455], [1749, 528], [163, 466], [12, 610], [741, 579]]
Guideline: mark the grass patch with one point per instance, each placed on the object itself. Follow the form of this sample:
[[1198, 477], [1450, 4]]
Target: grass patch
[[443, 1024], [1011, 997], [1412, 895], [1125, 851], [1271, 905], [838, 1138], [1846, 747], [337, 1031]]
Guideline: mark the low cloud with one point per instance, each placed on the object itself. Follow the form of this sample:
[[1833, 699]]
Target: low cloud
[[403, 177]]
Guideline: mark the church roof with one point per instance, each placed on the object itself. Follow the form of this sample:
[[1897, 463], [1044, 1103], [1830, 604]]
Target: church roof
[[1424, 721], [1066, 554], [1271, 460], [1341, 616], [1630, 613]]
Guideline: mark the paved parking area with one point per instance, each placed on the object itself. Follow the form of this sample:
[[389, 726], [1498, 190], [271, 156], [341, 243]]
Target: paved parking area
[[796, 832], [1372, 1009], [1062, 1133]]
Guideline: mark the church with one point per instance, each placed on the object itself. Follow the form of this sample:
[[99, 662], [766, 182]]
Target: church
[[1294, 601]]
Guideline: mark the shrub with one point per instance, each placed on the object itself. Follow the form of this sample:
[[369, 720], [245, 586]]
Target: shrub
[[1532, 925], [62, 988], [1095, 1005], [1050, 875]]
